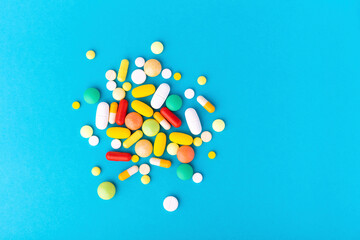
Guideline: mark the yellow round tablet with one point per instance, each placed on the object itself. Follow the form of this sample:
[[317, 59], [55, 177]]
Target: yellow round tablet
[[96, 171], [135, 158], [157, 47], [126, 86], [90, 54], [197, 141], [172, 148], [145, 179], [86, 131], [212, 155], [201, 80], [177, 76], [119, 94], [218, 125], [76, 105]]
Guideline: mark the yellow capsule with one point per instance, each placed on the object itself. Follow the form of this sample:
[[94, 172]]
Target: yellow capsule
[[133, 139], [118, 132], [128, 173], [160, 144], [162, 121], [206, 104], [123, 70], [142, 108], [181, 138], [143, 91], [113, 111], [160, 162]]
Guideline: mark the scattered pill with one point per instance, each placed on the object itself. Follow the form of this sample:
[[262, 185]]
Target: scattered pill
[[126, 86], [142, 108], [152, 67], [91, 95], [159, 144], [139, 62], [145, 179], [121, 112], [201, 80], [189, 93], [136, 136], [144, 169], [157, 47], [162, 121], [113, 111], [90, 54], [135, 158], [166, 73], [124, 65], [185, 154], [95, 171], [170, 203], [133, 121], [174, 102], [86, 131], [128, 173], [119, 94], [193, 121], [206, 104], [118, 156], [106, 190], [212, 155], [170, 117], [160, 96], [150, 127], [160, 162], [197, 177], [172, 148], [143, 91], [177, 76], [94, 140], [118, 132], [218, 125], [184, 171], [138, 76], [110, 75], [111, 85], [143, 148], [102, 115], [76, 105], [181, 138], [115, 143], [197, 142], [206, 136]]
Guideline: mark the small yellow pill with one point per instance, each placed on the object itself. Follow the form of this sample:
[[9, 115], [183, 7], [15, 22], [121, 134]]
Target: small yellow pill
[[177, 76], [96, 171], [126, 86], [218, 125], [145, 179], [86, 131], [201, 80], [197, 141], [212, 155], [135, 158], [119, 94], [76, 105], [90, 54], [172, 148], [157, 47]]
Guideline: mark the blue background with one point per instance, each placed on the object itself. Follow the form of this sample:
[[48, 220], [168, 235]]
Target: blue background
[[284, 75]]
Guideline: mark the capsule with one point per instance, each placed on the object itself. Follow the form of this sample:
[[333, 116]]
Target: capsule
[[142, 108], [118, 156], [206, 104], [163, 122], [118, 132], [113, 110], [133, 139], [128, 173], [102, 115], [121, 112], [181, 138], [160, 96], [143, 91], [159, 144], [193, 121], [171, 117], [160, 162], [124, 65]]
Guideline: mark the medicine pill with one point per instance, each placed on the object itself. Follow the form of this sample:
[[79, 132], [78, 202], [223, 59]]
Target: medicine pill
[[95, 171], [157, 47], [142, 108], [201, 80], [166, 73], [162, 121], [159, 144], [113, 111], [160, 96], [174, 102], [102, 115], [143, 148], [206, 104], [152, 67], [193, 121], [144, 169], [91, 95], [76, 105], [133, 121], [172, 148], [143, 91], [135, 158], [197, 142], [111, 85], [160, 162], [86, 131], [218, 125], [94, 140], [118, 156], [128, 173], [119, 94], [138, 76], [170, 203], [181, 138], [177, 76], [206, 136], [189, 93], [115, 143], [150, 127], [212, 155], [139, 62], [197, 177], [106, 190], [136, 136], [184, 171], [126, 86], [121, 112], [110, 75], [118, 132], [145, 179], [124, 65], [90, 54], [170, 117], [185, 154]]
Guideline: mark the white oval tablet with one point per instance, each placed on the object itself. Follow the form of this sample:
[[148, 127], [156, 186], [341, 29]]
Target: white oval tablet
[[144, 169], [170, 203], [102, 115], [206, 136], [189, 93], [138, 76], [93, 140], [160, 96], [110, 75], [166, 73], [197, 177], [116, 144], [111, 85], [193, 121], [139, 62]]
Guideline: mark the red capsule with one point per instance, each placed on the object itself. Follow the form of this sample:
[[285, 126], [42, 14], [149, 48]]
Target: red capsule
[[121, 112], [118, 156], [171, 117]]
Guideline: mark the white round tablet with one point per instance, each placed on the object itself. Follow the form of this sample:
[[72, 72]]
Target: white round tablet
[[138, 76], [93, 140], [110, 75], [111, 85], [116, 144], [189, 93], [166, 73], [170, 203], [197, 177], [139, 62], [144, 169], [206, 136]]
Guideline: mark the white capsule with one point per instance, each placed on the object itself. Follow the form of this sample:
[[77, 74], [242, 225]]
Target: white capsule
[[160, 96], [193, 121], [102, 115]]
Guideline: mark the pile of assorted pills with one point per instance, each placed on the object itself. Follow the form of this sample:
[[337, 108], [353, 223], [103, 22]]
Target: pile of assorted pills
[[132, 128]]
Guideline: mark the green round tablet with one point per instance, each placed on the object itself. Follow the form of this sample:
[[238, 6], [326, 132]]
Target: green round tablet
[[150, 127], [91, 95], [184, 171], [106, 190], [174, 102]]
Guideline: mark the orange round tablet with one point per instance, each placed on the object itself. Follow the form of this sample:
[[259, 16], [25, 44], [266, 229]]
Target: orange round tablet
[[133, 121], [152, 67], [143, 148], [185, 154]]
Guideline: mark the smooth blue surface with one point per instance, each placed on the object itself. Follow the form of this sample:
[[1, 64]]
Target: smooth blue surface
[[284, 75]]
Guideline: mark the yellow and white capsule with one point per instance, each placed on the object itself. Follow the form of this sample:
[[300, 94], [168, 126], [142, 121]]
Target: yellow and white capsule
[[206, 104], [160, 162], [113, 111], [124, 65], [133, 139], [163, 122], [128, 173]]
